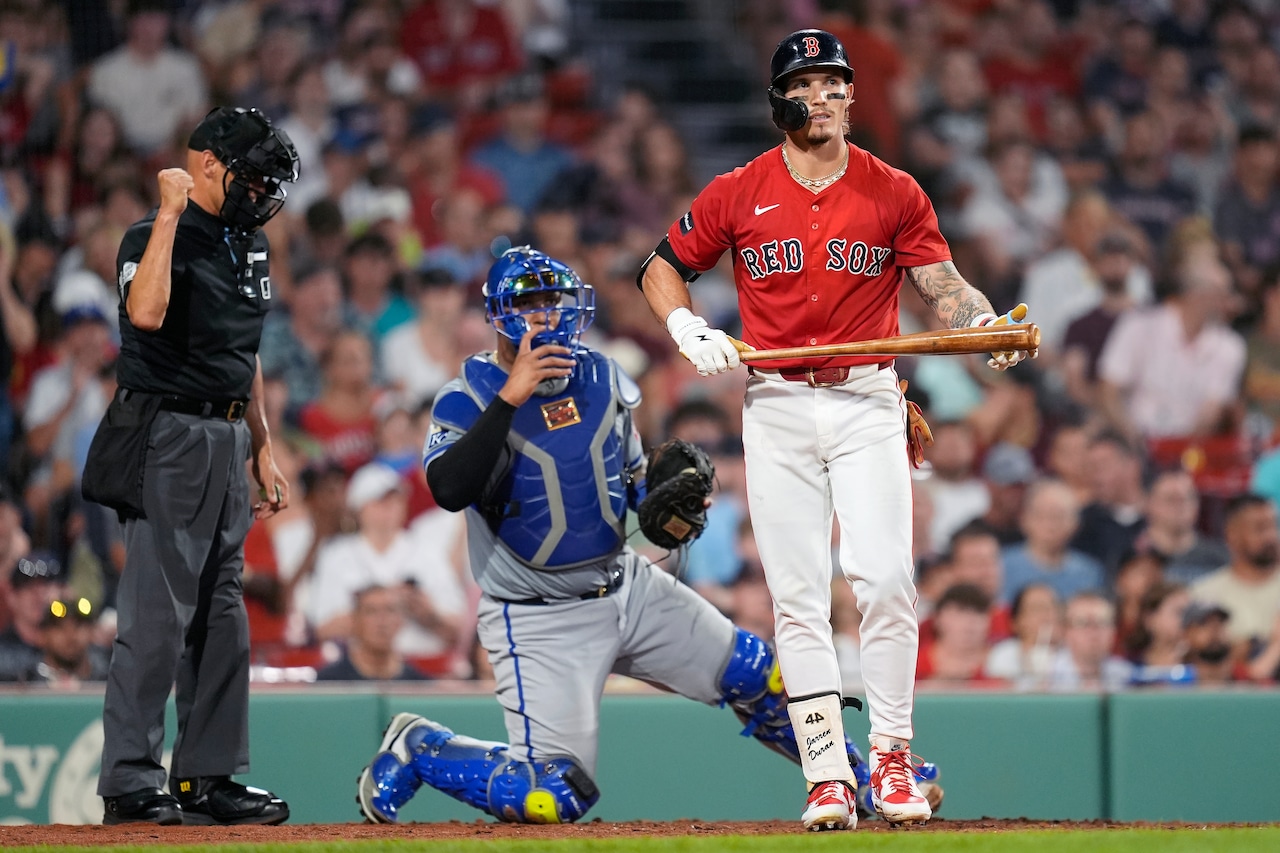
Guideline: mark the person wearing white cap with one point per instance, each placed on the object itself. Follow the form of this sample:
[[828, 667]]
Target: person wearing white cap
[[382, 553]]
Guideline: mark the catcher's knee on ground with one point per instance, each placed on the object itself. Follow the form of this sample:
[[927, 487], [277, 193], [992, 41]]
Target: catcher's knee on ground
[[752, 686], [484, 775]]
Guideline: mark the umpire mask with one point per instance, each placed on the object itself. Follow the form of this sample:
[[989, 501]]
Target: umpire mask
[[259, 158]]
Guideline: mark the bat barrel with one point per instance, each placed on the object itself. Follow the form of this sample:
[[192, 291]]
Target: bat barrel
[[1021, 336]]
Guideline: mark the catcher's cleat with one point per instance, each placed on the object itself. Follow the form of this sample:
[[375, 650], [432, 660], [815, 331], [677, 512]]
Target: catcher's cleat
[[389, 781], [895, 794], [830, 806], [218, 801]]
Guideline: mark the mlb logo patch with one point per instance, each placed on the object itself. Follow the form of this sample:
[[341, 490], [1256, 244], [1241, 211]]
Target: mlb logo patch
[[686, 222]]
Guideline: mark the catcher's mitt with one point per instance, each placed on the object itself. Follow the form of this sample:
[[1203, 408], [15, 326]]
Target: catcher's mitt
[[679, 481]]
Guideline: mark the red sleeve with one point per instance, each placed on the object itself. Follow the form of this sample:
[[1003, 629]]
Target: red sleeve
[[918, 241], [703, 234]]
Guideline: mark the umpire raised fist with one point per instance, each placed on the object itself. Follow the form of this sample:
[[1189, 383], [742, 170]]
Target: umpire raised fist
[[175, 186]]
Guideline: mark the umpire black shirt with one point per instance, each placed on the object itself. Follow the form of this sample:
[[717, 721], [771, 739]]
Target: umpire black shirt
[[220, 292]]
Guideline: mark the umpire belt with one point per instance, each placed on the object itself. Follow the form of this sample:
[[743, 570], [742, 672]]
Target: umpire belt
[[223, 410], [613, 585]]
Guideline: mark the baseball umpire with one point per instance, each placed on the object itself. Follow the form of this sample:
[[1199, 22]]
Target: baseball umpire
[[821, 234], [536, 442], [169, 457]]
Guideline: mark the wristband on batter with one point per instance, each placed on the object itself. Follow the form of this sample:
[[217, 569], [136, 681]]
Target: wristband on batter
[[682, 321], [983, 320]]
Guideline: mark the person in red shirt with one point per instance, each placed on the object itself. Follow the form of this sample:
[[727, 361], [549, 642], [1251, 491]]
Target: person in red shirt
[[342, 418], [821, 234], [462, 48]]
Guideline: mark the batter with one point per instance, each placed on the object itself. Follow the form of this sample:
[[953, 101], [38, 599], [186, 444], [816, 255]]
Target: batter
[[821, 233]]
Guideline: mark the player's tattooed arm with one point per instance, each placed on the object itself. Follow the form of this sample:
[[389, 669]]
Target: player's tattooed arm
[[954, 300]]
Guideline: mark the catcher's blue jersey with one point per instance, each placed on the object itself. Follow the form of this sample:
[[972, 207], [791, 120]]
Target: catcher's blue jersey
[[559, 497]]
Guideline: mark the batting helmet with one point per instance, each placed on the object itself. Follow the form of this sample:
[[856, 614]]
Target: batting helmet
[[799, 51], [259, 159], [523, 272]]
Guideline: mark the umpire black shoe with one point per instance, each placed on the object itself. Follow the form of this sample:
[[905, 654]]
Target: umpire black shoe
[[217, 801], [149, 805]]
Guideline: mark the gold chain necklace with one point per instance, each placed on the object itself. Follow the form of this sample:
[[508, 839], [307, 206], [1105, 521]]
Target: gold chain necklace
[[816, 183]]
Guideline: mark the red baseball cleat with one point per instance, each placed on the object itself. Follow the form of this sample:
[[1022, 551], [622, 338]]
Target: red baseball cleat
[[894, 792], [830, 806]]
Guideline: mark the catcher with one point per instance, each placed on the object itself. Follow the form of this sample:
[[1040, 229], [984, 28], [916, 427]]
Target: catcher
[[535, 442]]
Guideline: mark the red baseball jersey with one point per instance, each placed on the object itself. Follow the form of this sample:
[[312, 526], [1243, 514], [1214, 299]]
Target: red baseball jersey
[[813, 269]]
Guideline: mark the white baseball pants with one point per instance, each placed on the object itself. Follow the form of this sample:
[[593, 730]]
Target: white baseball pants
[[812, 452]]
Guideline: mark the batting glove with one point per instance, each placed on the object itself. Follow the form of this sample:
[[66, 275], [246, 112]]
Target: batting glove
[[709, 350], [1005, 360]]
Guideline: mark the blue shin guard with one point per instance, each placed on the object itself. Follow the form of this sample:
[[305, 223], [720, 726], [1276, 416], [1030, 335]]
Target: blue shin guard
[[482, 774], [752, 686]]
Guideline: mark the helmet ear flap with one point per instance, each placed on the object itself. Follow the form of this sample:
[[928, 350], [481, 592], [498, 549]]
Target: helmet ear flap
[[788, 114]]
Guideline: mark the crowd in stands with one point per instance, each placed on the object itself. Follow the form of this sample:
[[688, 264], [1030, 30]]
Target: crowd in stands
[[1101, 517]]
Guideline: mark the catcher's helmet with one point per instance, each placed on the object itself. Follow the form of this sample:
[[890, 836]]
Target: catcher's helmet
[[802, 50], [259, 159], [522, 272]]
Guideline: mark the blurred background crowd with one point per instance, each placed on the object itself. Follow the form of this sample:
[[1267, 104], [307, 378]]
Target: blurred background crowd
[[1102, 517]]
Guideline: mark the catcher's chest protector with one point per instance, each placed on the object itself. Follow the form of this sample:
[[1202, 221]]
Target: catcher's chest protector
[[563, 498]]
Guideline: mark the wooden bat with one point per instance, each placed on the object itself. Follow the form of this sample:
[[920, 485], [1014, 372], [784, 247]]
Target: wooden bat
[[1021, 336]]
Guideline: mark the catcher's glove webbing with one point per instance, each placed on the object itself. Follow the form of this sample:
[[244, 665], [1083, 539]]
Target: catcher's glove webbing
[[679, 481]]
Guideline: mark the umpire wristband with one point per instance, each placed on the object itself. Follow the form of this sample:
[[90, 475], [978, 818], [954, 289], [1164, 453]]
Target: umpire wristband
[[682, 321]]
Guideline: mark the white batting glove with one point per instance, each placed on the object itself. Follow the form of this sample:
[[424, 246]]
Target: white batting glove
[[1008, 358], [709, 350]]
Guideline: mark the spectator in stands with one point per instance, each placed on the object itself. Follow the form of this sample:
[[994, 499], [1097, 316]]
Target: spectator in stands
[[662, 170], [1115, 264], [381, 553], [1069, 281], [521, 155], [369, 271], [1140, 188], [1035, 63], [1248, 209], [974, 559], [93, 281], [437, 171], [958, 495], [958, 118], [342, 420], [1007, 470], [69, 656], [1118, 83], [1262, 367], [34, 583], [1173, 510], [294, 343], [1203, 149], [310, 125], [1209, 646], [419, 357], [1252, 98], [369, 653], [1139, 573], [1174, 370], [1249, 586], [1265, 665], [1049, 519], [1068, 460], [1111, 522], [1085, 661], [464, 49], [18, 337], [961, 623], [1013, 220], [153, 89], [463, 250], [1160, 641], [1025, 659]]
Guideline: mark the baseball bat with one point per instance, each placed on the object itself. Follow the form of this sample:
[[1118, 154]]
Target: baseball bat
[[1021, 336]]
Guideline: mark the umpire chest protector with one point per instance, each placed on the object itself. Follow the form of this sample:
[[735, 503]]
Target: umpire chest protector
[[561, 499]]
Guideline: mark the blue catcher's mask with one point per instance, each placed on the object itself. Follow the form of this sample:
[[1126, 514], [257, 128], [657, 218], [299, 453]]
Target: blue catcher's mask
[[525, 282]]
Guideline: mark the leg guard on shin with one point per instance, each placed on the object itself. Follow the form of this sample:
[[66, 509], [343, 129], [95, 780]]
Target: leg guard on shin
[[482, 774], [752, 686]]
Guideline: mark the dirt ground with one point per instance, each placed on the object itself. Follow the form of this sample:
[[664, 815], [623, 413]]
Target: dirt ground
[[136, 834]]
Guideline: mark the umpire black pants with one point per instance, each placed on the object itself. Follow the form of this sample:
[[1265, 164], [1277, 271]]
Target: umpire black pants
[[181, 616]]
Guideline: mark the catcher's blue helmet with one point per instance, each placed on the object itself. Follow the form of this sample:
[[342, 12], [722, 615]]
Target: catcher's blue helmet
[[521, 273]]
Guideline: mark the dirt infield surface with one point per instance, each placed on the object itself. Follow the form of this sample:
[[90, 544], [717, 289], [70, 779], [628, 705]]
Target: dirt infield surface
[[139, 834]]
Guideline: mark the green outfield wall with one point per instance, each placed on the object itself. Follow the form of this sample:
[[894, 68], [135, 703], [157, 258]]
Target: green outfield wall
[[1175, 755]]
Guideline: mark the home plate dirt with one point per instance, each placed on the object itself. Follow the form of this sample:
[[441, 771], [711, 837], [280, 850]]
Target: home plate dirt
[[137, 834]]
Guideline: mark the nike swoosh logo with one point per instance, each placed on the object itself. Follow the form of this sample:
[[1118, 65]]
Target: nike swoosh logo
[[760, 210]]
